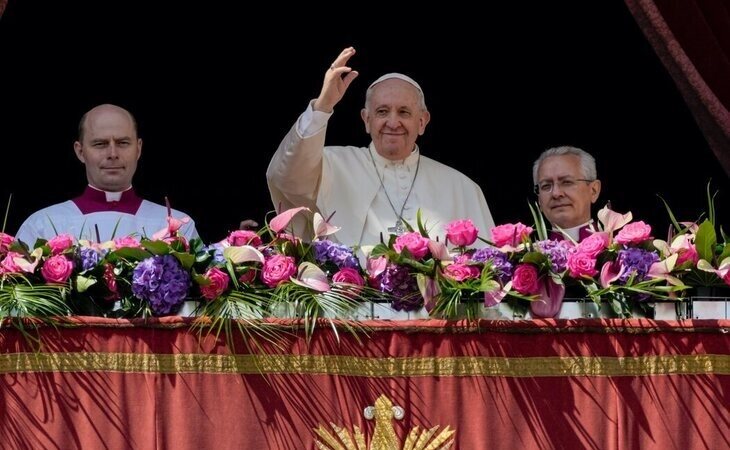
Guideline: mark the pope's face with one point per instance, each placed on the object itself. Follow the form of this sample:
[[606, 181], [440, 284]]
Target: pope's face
[[394, 118]]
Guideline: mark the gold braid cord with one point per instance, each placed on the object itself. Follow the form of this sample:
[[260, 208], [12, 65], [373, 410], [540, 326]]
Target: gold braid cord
[[384, 437]]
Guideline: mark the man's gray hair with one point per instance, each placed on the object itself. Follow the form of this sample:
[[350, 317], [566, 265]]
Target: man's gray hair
[[399, 76], [587, 162]]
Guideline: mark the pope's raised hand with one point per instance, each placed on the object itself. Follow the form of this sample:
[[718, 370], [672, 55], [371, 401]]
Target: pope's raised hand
[[336, 81]]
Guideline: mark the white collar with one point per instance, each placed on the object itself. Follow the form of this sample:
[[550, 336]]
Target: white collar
[[111, 196], [382, 161], [574, 232]]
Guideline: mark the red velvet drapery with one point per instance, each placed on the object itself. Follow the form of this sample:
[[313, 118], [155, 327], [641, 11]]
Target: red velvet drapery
[[692, 39], [600, 384]]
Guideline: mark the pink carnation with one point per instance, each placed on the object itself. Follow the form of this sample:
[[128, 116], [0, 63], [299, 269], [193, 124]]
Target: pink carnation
[[244, 237], [510, 234], [525, 279], [349, 276], [57, 269], [127, 241], [218, 283], [688, 254], [634, 233], [5, 241], [461, 232], [461, 272], [376, 266], [248, 276], [581, 265], [110, 280], [416, 244], [178, 239], [60, 243], [278, 269]]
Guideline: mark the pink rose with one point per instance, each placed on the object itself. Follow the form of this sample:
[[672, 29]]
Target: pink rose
[[278, 269], [127, 242], [57, 269], [218, 283], [248, 276], [244, 237], [581, 265], [60, 243], [634, 233], [349, 276], [110, 280], [461, 232], [525, 279], [510, 234], [461, 272], [5, 241], [416, 244], [593, 244], [8, 264]]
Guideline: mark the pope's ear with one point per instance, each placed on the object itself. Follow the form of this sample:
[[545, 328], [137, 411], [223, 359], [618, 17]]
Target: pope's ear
[[425, 119], [364, 115], [139, 148], [79, 150]]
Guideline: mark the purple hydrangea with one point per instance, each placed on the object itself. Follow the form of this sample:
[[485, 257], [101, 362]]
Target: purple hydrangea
[[401, 284], [636, 261], [338, 254], [500, 262], [557, 253], [88, 258], [162, 281]]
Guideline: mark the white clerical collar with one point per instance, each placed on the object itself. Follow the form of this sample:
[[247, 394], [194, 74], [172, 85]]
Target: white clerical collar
[[382, 161], [111, 196], [574, 232]]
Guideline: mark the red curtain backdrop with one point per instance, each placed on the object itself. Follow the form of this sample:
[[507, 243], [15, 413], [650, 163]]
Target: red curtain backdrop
[[692, 39], [597, 384]]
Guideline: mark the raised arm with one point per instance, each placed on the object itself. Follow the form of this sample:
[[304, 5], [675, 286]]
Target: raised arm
[[295, 169]]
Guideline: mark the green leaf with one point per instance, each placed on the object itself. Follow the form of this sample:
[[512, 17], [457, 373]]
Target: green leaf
[[379, 250], [705, 241], [186, 259], [156, 247], [84, 283], [132, 254]]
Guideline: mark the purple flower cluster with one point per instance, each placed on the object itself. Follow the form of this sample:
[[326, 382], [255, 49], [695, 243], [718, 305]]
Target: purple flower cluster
[[636, 261], [88, 258], [338, 254], [397, 281], [162, 281], [500, 262], [557, 253]]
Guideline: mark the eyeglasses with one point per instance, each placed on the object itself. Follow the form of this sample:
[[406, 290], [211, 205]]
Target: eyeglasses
[[565, 184]]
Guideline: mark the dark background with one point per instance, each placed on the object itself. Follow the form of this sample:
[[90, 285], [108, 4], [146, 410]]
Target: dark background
[[215, 87]]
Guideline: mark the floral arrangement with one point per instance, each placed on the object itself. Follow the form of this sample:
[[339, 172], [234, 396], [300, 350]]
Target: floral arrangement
[[249, 275]]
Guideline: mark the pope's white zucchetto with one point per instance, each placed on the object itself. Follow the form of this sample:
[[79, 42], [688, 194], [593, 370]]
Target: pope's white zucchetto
[[399, 76]]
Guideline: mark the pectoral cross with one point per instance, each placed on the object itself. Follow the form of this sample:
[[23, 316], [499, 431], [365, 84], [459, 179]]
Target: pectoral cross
[[398, 229]]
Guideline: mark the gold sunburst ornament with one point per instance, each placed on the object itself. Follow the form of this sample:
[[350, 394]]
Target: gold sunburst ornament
[[384, 437]]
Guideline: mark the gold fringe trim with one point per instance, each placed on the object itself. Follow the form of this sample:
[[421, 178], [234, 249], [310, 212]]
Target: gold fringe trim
[[367, 367]]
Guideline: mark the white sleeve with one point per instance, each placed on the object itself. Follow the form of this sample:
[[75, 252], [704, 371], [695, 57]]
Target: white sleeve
[[312, 122]]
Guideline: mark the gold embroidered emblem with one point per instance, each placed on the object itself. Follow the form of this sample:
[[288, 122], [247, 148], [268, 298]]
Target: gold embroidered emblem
[[384, 437]]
